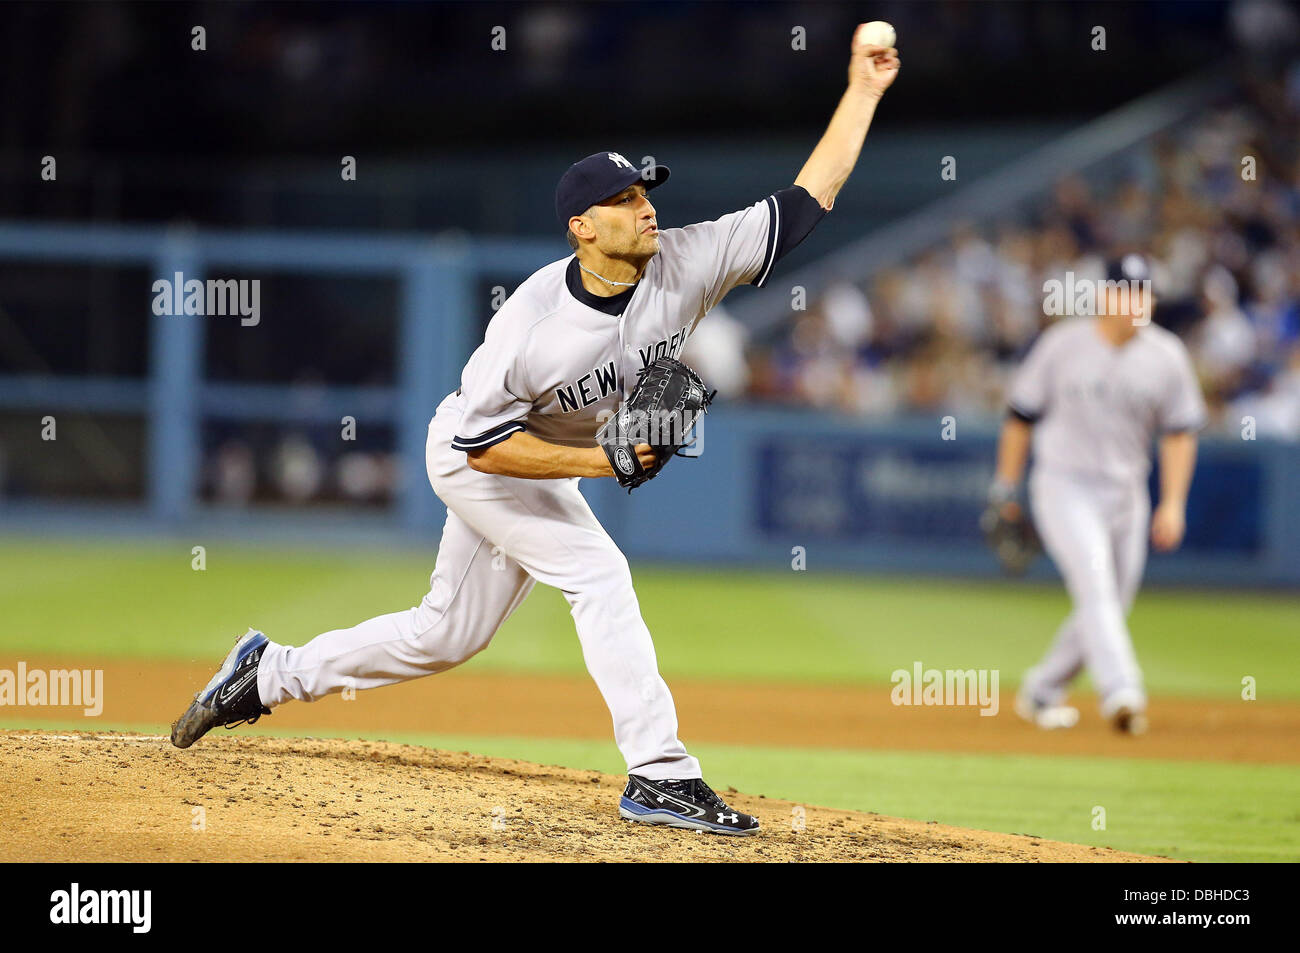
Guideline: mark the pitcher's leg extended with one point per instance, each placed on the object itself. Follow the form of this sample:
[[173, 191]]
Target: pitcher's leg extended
[[472, 591], [468, 599]]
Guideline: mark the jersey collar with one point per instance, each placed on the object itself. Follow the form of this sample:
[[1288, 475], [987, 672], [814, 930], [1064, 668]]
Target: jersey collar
[[614, 304]]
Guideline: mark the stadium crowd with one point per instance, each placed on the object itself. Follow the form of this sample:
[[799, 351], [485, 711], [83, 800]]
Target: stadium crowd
[[1216, 205]]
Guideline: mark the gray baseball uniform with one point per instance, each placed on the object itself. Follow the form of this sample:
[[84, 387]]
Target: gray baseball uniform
[[1097, 410], [554, 359]]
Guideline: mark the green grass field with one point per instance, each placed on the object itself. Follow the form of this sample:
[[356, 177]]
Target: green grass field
[[145, 600]]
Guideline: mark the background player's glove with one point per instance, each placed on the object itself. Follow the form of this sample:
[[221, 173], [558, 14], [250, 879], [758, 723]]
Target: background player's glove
[[661, 411], [1009, 530]]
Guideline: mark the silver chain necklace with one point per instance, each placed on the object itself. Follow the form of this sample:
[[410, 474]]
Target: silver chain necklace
[[608, 281]]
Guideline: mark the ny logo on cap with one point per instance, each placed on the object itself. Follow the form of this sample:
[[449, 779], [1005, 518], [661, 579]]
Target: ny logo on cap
[[617, 159]]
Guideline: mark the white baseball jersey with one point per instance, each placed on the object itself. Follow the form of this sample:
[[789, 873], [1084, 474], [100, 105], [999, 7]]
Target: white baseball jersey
[[553, 360], [1097, 408]]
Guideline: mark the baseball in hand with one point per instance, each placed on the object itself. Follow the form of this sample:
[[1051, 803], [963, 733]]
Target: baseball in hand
[[876, 33]]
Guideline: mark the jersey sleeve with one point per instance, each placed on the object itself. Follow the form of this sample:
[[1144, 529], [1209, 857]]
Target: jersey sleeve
[[1031, 385], [1183, 406], [497, 396], [743, 246], [732, 250]]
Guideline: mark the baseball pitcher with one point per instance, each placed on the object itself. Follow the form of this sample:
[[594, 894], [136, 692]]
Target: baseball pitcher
[[1094, 395], [578, 341]]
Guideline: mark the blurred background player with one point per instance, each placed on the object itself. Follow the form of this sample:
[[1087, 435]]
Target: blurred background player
[[1092, 396]]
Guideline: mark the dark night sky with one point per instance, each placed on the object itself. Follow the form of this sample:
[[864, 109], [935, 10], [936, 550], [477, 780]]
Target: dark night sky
[[291, 79]]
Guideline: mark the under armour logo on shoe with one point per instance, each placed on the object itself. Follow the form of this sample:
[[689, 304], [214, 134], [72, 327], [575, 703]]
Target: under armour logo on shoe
[[728, 818], [618, 160], [231, 689]]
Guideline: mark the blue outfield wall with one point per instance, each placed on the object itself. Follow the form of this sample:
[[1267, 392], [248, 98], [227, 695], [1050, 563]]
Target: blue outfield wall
[[855, 496], [898, 497]]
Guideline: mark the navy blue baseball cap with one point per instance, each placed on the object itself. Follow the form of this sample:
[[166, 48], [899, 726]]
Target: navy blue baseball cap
[[596, 178], [1131, 267]]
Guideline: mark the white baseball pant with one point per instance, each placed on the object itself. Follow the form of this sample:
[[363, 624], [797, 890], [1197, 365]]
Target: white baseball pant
[[1096, 533], [501, 535]]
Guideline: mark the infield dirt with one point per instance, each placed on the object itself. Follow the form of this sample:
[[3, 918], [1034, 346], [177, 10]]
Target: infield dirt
[[109, 796], [144, 692]]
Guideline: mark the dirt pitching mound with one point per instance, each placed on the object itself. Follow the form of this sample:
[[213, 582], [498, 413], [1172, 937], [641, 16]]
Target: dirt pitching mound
[[107, 797]]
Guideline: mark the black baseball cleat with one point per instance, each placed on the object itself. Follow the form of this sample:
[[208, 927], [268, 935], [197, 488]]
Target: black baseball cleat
[[230, 698], [690, 804]]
